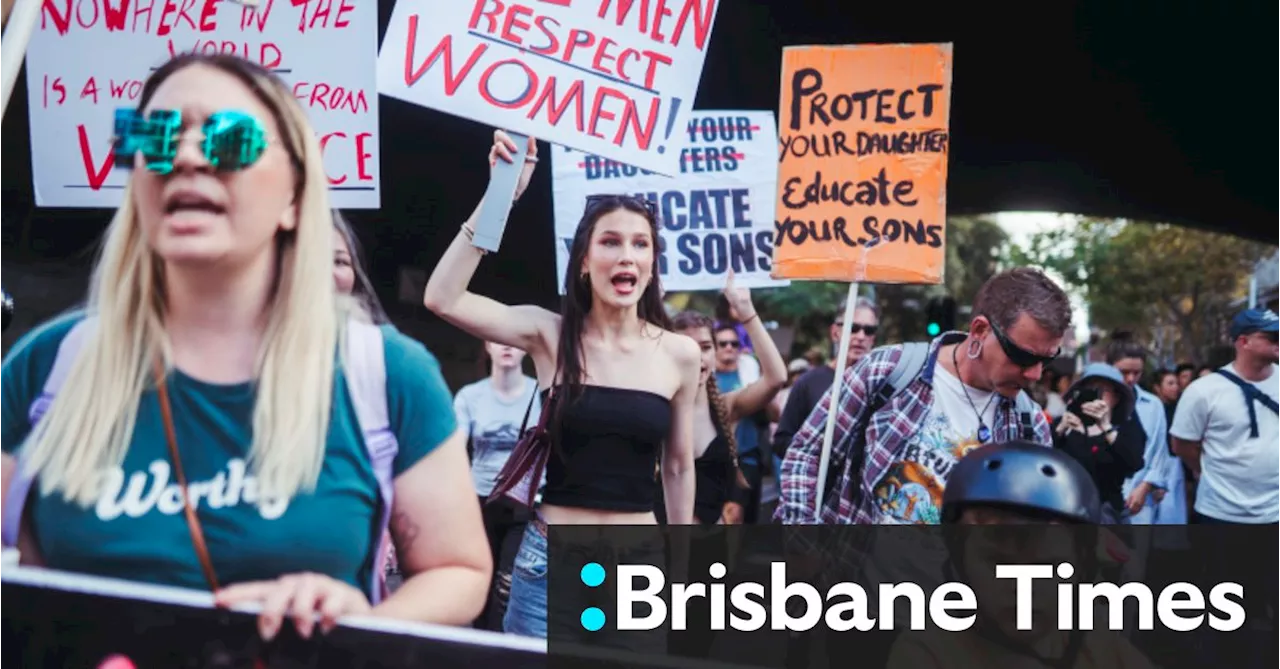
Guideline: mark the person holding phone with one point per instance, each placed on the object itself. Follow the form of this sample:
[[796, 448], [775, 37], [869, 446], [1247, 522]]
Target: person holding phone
[[1097, 430]]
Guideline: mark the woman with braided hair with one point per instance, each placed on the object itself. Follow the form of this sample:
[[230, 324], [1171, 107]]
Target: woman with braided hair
[[722, 489], [720, 483]]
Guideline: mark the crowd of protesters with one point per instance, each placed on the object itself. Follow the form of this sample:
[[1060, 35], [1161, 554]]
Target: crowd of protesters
[[233, 385]]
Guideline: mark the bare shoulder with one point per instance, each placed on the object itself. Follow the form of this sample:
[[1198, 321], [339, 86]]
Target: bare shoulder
[[682, 348]]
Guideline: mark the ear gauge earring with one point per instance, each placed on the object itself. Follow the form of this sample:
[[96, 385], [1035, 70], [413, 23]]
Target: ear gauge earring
[[972, 351]]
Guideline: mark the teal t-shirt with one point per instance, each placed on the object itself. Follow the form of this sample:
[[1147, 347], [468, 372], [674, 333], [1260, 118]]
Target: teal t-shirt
[[137, 529]]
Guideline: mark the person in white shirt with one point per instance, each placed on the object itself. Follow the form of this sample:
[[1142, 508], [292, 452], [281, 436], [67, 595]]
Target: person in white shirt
[[493, 412], [1226, 429]]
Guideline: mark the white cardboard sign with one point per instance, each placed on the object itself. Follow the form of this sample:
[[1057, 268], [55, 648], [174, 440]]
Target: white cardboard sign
[[614, 78], [716, 215], [89, 57]]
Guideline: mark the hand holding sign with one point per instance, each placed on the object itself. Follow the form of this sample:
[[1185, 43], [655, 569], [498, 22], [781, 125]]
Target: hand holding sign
[[505, 148], [300, 596], [506, 184]]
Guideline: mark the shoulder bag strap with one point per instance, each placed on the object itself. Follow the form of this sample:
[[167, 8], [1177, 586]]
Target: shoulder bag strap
[[1251, 393], [193, 523], [905, 370], [524, 424]]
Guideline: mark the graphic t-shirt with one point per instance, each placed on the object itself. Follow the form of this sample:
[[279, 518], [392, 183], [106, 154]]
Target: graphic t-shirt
[[493, 423], [137, 531], [910, 492]]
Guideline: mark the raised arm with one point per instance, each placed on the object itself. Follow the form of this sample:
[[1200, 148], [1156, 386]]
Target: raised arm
[[773, 371], [526, 327]]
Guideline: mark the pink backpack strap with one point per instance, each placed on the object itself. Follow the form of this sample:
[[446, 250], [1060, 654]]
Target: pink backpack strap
[[20, 487], [365, 369]]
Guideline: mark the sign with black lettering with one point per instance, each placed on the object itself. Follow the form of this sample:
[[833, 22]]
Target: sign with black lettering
[[862, 163], [716, 215]]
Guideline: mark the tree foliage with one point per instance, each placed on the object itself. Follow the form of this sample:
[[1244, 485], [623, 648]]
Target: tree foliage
[[1173, 287]]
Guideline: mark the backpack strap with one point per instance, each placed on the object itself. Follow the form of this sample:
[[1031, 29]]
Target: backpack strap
[[914, 355], [365, 368], [905, 370], [20, 487], [1251, 393]]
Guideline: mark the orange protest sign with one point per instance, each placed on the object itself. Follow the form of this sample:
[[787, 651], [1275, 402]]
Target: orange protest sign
[[862, 167]]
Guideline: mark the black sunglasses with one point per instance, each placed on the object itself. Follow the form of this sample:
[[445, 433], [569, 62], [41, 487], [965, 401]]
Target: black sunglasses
[[869, 330], [1018, 355], [612, 200]]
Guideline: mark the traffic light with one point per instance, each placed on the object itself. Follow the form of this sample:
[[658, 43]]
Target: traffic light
[[940, 315]]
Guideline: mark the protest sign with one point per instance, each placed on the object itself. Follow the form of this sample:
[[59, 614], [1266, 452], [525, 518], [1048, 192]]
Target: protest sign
[[90, 57], [862, 166], [59, 619], [612, 78], [716, 215]]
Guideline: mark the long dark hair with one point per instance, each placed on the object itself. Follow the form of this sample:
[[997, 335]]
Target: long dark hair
[[692, 320], [577, 300], [362, 290]]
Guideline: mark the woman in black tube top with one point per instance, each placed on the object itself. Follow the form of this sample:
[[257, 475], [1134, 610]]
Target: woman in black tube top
[[621, 384], [719, 497]]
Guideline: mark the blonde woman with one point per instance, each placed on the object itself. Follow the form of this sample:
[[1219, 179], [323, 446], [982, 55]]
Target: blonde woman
[[214, 333]]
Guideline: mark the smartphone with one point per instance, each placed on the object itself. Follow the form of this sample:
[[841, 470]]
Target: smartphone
[[1081, 398]]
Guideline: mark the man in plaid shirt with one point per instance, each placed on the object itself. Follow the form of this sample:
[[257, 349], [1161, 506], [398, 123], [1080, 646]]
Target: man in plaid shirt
[[892, 467]]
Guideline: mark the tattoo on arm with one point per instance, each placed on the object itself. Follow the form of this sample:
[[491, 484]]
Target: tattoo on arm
[[404, 531]]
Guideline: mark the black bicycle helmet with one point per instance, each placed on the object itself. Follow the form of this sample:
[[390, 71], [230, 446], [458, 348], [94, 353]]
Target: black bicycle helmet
[[1022, 475]]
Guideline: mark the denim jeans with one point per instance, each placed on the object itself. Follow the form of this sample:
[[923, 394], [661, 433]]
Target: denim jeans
[[527, 607]]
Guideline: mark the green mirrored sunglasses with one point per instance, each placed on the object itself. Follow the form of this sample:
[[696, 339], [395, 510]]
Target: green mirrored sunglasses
[[233, 140]]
